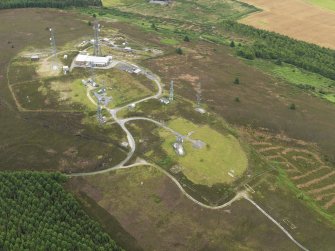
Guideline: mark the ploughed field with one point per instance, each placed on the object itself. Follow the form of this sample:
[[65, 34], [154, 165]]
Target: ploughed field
[[295, 18]]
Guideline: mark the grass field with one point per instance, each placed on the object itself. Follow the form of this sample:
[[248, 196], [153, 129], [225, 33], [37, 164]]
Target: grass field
[[327, 4], [314, 83], [209, 165], [296, 18]]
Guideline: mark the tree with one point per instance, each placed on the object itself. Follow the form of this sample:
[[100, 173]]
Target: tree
[[153, 26], [232, 44], [94, 15], [278, 62], [186, 39], [237, 81], [237, 99], [179, 51], [292, 106], [89, 23]]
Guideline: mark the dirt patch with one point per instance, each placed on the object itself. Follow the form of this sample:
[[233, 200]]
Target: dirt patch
[[314, 181], [295, 18]]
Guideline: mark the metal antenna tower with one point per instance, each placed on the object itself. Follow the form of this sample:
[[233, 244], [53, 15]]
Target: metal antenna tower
[[53, 49], [171, 91], [92, 73], [96, 28], [199, 95], [99, 113]]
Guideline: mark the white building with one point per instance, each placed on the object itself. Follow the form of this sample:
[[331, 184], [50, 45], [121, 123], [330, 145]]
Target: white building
[[35, 58], [179, 149], [66, 69], [95, 61]]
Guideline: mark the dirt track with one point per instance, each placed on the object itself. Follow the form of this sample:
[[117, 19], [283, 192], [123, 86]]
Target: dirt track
[[295, 18]]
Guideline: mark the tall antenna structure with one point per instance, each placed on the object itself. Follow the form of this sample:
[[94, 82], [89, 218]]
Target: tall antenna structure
[[199, 95], [96, 28], [53, 49], [171, 91], [99, 113]]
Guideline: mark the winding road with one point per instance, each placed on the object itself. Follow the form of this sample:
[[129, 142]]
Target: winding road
[[132, 144]]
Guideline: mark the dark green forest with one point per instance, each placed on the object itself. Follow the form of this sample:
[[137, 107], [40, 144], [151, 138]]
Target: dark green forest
[[8, 4], [36, 213], [273, 46]]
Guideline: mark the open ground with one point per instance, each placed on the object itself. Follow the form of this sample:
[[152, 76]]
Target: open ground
[[295, 18]]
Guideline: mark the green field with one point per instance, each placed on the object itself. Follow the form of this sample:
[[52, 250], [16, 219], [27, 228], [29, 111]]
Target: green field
[[327, 4], [308, 81], [211, 164]]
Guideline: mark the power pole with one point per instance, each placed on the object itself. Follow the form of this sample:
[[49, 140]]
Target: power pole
[[53, 49], [99, 113], [96, 28], [171, 91]]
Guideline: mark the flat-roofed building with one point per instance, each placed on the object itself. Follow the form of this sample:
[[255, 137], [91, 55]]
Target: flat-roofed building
[[95, 61]]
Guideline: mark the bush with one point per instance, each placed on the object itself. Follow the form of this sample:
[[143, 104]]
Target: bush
[[292, 106], [179, 51]]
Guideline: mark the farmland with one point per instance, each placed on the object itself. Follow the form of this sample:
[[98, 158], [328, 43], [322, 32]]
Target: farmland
[[327, 4], [284, 17]]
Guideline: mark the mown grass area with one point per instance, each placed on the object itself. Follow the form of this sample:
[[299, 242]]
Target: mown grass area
[[327, 4], [211, 164], [314, 83], [195, 11], [122, 86], [169, 41]]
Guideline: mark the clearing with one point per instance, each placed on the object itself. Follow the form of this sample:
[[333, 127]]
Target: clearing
[[222, 160], [295, 18]]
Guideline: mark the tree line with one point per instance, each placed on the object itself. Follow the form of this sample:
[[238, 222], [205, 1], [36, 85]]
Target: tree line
[[273, 46], [11, 4], [36, 213]]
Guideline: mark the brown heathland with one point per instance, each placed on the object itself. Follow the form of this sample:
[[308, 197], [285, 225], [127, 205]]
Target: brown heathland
[[295, 18]]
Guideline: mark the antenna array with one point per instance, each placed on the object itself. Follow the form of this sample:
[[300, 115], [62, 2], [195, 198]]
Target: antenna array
[[171, 91], [53, 49], [199, 95], [96, 28]]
